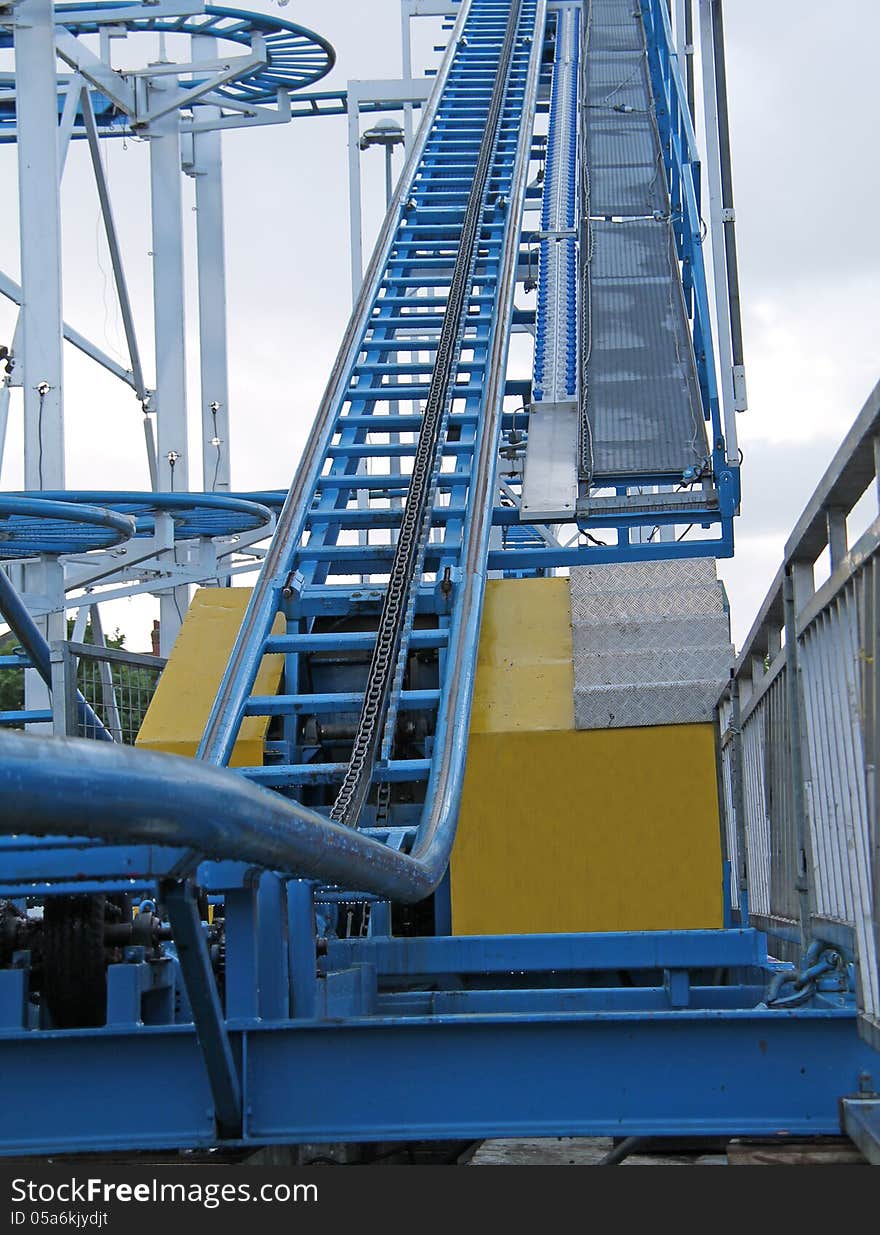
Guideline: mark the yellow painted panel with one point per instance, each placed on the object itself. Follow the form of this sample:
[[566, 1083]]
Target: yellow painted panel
[[179, 710], [525, 675], [589, 830]]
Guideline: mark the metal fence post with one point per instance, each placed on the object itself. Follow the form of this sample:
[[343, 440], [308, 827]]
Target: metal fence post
[[65, 718], [803, 878], [870, 640], [737, 797]]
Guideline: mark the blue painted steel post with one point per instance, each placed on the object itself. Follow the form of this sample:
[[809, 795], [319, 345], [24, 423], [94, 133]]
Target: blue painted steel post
[[302, 945], [273, 962], [240, 932]]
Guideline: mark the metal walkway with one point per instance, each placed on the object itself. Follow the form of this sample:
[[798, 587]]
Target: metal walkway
[[643, 407]]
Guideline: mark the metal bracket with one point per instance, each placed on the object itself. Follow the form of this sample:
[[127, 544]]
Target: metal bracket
[[558, 233], [860, 1118]]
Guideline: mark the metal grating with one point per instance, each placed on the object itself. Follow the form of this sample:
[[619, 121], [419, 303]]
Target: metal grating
[[642, 394]]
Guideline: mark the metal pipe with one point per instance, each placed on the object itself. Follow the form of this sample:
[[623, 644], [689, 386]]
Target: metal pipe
[[408, 552], [689, 55], [729, 216], [112, 236], [437, 832], [629, 1145], [803, 881], [737, 786], [74, 787], [716, 232]]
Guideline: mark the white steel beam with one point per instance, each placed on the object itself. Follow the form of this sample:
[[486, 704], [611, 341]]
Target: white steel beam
[[169, 313], [92, 68], [379, 90], [40, 214], [207, 170], [108, 14], [113, 246], [235, 67], [12, 291], [716, 231], [408, 10]]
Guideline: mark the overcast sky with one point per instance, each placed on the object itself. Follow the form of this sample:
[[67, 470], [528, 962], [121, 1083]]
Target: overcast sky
[[803, 108]]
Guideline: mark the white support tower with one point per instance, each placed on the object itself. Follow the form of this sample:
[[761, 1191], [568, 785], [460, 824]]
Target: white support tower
[[40, 213], [207, 171]]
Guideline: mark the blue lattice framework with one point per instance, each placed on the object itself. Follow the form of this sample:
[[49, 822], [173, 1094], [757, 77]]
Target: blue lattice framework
[[193, 515], [57, 523], [296, 56]]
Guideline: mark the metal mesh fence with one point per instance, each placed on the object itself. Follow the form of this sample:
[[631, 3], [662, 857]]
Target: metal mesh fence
[[119, 686]]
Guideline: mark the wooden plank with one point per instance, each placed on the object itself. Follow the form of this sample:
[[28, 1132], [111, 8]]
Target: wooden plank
[[819, 1151]]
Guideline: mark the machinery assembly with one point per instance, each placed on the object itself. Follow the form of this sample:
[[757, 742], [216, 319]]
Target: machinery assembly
[[462, 819]]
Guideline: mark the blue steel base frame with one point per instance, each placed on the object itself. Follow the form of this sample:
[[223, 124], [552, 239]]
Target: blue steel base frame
[[659, 1034]]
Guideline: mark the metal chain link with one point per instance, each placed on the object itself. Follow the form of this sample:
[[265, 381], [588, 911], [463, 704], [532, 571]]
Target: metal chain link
[[356, 783]]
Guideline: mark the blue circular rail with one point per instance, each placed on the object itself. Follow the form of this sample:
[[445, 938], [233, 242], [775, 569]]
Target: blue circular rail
[[296, 56], [33, 525], [194, 514]]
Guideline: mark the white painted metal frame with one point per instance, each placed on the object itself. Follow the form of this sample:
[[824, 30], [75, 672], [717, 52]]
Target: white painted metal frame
[[394, 93], [153, 99], [716, 232]]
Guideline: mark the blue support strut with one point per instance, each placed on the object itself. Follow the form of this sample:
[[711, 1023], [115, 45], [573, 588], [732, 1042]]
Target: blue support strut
[[30, 637]]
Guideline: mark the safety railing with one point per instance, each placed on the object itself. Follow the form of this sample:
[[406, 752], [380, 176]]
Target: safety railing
[[798, 731], [118, 685], [681, 159]]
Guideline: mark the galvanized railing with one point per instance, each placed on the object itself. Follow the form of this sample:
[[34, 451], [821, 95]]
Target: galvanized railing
[[798, 732], [118, 684]]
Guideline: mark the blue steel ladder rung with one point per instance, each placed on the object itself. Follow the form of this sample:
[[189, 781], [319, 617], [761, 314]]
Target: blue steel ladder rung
[[348, 507], [351, 640], [381, 366], [391, 450], [402, 422], [402, 392], [341, 701], [287, 775], [430, 301], [352, 519], [377, 555], [439, 280]]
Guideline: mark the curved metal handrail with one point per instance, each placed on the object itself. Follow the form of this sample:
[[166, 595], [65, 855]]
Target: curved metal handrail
[[53, 524], [194, 514]]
